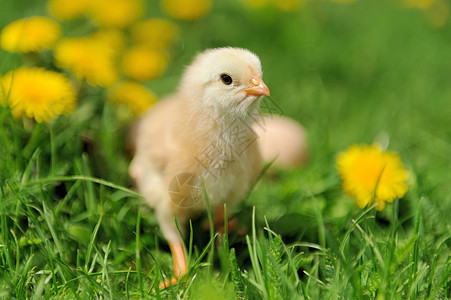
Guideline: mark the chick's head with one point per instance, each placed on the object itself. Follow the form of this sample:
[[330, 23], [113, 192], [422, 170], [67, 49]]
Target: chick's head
[[225, 80]]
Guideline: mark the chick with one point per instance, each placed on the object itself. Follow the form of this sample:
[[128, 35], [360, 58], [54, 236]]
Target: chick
[[200, 141], [282, 141]]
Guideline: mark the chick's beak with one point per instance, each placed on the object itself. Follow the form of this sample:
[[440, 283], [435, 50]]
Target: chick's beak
[[257, 87]]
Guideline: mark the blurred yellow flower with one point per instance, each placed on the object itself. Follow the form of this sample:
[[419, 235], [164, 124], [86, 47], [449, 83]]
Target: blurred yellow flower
[[90, 57], [158, 33], [187, 10], [134, 95], [369, 174], [112, 38], [116, 13], [32, 34], [38, 93], [143, 63], [68, 9]]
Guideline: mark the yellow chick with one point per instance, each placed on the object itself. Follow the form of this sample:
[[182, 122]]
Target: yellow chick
[[282, 141], [199, 141]]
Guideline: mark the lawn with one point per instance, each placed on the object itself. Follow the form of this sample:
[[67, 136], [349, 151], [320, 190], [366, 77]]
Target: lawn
[[363, 72]]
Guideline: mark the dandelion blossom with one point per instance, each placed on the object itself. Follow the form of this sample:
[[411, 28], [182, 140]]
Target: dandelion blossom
[[143, 63], [134, 95], [369, 174], [30, 35], [112, 38], [91, 58], [68, 9], [116, 13], [186, 10], [158, 33], [38, 93]]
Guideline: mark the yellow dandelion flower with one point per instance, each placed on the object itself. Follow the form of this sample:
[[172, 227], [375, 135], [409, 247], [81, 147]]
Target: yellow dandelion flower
[[112, 38], [90, 58], [158, 33], [116, 13], [38, 93], [32, 34], [370, 174], [143, 63], [68, 9], [187, 10], [134, 95]]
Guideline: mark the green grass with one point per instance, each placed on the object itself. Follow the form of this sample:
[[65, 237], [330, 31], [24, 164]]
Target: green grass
[[72, 227]]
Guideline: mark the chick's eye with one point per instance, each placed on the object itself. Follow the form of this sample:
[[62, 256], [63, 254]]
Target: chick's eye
[[226, 79]]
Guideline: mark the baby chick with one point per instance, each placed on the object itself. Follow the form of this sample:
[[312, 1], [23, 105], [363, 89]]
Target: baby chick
[[199, 142], [282, 141]]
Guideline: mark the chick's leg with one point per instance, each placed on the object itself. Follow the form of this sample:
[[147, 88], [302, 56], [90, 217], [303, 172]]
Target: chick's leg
[[171, 233], [180, 265]]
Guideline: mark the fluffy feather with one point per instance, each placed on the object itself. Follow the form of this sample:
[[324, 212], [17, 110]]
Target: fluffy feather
[[201, 136]]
